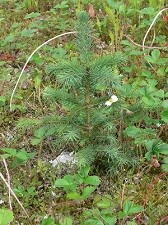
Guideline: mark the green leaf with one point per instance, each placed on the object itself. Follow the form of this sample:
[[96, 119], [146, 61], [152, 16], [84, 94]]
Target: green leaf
[[149, 59], [2, 100], [164, 167], [6, 216], [165, 160], [156, 146], [147, 74], [92, 217], [87, 191], [135, 209], [10, 38], [121, 215], [111, 220], [28, 32], [48, 221], [165, 104], [126, 207], [32, 15], [164, 115], [37, 82], [159, 93], [104, 202], [163, 149], [133, 131], [92, 180], [61, 183], [40, 132], [36, 141], [37, 59], [155, 54], [93, 221], [74, 196], [10, 151], [51, 131], [84, 171], [148, 11], [66, 221], [149, 101], [148, 156], [129, 208], [122, 9], [72, 183], [1, 19], [22, 154]]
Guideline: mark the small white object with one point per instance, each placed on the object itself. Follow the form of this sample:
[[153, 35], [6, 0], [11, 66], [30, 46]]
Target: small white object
[[64, 158], [45, 217], [1, 201], [158, 124], [53, 194], [113, 99]]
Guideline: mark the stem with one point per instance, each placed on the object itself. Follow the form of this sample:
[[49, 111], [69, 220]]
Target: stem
[[88, 124], [9, 183], [122, 196]]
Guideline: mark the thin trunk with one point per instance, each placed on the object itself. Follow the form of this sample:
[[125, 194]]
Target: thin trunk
[[88, 106]]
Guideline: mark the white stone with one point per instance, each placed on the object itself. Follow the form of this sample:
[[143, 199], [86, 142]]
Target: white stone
[[64, 158]]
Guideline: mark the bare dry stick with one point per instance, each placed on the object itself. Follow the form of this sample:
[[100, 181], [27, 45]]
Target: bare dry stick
[[46, 42], [144, 39], [154, 35], [147, 47], [9, 183], [153, 39], [160, 12], [6, 183], [122, 196]]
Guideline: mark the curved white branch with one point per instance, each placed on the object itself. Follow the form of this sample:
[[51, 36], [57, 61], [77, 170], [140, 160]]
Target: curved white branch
[[13, 92], [160, 12]]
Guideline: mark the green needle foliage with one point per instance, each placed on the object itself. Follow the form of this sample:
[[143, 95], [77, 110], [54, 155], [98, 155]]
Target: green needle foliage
[[83, 123]]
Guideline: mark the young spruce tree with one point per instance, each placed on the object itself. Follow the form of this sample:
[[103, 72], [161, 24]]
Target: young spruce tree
[[83, 122]]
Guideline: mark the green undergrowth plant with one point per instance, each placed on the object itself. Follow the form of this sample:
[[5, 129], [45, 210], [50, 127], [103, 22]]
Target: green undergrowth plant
[[156, 150], [88, 103], [146, 94], [18, 157], [106, 214], [78, 186], [6, 216], [104, 211]]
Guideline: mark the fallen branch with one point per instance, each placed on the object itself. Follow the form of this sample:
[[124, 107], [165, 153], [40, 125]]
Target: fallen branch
[[153, 22], [141, 46], [6, 183], [9, 183], [46, 42]]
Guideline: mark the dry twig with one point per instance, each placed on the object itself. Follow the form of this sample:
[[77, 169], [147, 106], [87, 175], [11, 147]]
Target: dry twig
[[9, 183], [12, 192]]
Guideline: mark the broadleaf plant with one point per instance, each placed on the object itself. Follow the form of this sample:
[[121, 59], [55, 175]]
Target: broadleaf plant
[[155, 147], [73, 184], [6, 216]]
